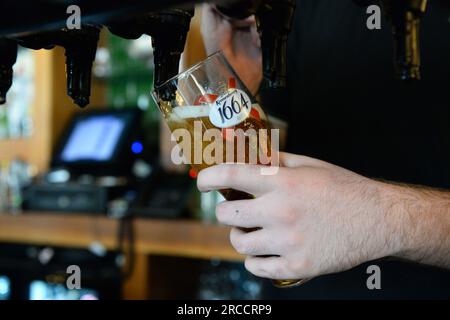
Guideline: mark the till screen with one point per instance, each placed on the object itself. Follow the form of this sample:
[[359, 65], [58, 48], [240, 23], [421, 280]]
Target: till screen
[[93, 139]]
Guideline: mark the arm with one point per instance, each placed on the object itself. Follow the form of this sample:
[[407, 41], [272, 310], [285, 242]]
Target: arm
[[423, 218], [314, 218]]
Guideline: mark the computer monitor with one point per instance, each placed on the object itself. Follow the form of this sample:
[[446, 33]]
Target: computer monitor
[[99, 143]]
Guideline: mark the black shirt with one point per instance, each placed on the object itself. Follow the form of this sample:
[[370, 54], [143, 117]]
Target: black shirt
[[345, 106]]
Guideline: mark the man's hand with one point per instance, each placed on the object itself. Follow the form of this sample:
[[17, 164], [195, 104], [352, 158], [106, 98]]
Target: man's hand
[[313, 218], [239, 41]]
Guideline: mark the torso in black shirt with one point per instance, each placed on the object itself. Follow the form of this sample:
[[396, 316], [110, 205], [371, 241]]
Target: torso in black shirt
[[345, 107]]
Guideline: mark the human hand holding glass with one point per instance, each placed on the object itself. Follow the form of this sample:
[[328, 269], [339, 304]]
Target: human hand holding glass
[[215, 119]]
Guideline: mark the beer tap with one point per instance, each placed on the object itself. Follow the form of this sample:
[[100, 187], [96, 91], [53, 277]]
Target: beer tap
[[8, 56], [405, 17], [80, 49], [80, 56], [168, 30], [274, 20]]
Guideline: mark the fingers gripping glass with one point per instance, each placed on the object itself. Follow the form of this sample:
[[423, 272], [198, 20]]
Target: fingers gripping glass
[[209, 103]]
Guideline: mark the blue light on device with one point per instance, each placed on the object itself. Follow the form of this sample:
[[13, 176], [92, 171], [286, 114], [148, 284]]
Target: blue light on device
[[137, 147]]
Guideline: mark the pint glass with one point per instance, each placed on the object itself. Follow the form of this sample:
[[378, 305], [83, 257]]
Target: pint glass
[[209, 105]]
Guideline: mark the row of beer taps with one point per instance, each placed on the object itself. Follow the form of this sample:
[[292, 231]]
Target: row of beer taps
[[168, 30]]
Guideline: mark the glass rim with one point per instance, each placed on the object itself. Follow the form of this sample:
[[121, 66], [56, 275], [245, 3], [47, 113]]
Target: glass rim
[[190, 69]]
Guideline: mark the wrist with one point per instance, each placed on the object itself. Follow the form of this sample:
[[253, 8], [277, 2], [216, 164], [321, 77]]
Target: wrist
[[392, 221], [398, 220], [415, 219], [383, 233]]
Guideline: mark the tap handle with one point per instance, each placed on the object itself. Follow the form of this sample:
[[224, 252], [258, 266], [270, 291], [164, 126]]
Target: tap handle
[[405, 17], [8, 56], [274, 20]]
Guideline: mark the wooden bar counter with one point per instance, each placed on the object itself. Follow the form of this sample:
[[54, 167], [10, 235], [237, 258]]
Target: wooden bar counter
[[179, 238]]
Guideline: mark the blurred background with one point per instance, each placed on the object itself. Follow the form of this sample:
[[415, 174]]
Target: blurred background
[[135, 226]]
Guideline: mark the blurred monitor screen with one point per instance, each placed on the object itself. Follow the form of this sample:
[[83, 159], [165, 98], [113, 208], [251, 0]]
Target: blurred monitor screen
[[5, 288], [98, 142], [93, 139], [41, 290]]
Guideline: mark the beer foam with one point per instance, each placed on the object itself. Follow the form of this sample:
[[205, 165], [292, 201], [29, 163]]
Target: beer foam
[[190, 112]]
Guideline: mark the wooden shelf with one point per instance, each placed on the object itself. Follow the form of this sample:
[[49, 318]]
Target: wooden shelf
[[183, 238], [178, 238]]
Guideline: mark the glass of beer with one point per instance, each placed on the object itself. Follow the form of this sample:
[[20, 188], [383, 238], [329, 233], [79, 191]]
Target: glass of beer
[[215, 119]]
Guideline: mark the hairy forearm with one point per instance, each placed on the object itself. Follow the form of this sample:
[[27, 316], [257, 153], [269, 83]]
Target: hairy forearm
[[422, 222]]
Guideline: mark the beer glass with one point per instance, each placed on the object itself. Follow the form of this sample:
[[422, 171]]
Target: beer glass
[[209, 100]]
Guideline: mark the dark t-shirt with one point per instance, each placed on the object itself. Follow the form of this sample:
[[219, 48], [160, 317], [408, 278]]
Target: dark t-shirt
[[344, 106]]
